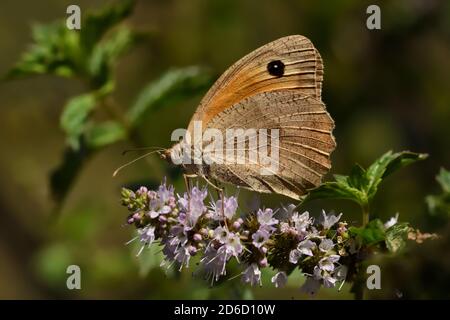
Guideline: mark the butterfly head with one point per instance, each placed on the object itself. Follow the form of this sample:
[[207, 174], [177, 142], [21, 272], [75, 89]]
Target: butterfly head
[[173, 155]]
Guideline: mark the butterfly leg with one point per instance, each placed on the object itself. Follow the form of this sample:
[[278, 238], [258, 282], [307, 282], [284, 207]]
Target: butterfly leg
[[186, 178]]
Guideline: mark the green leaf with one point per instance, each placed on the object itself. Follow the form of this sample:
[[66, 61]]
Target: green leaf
[[55, 50], [444, 180], [358, 178], [51, 263], [336, 190], [439, 205], [97, 24], [340, 178], [173, 86], [361, 185], [371, 234], [396, 236], [386, 165], [106, 53], [103, 134], [74, 116]]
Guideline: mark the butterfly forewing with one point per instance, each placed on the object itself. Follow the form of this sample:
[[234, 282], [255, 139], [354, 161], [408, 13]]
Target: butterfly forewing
[[276, 88], [249, 76]]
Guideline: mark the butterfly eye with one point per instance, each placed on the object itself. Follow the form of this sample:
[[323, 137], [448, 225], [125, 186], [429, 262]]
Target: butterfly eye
[[276, 68]]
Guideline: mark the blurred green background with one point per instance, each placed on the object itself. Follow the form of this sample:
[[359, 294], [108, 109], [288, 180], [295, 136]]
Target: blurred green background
[[386, 89]]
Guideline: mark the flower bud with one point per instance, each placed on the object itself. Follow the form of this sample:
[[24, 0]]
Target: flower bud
[[192, 250], [136, 216], [208, 215], [263, 262], [142, 190], [197, 237]]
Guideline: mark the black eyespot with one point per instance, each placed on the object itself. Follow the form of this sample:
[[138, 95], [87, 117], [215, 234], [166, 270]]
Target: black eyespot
[[276, 68]]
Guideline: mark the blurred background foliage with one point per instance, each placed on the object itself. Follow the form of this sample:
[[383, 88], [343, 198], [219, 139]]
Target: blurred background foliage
[[130, 77]]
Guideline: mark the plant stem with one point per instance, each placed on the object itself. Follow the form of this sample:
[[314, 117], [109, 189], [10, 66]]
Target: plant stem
[[365, 213], [359, 292]]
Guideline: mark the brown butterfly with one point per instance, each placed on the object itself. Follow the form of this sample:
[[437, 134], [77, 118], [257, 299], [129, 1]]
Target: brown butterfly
[[276, 87]]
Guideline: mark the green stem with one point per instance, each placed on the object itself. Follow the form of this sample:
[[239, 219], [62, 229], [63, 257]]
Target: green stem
[[359, 292], [365, 213]]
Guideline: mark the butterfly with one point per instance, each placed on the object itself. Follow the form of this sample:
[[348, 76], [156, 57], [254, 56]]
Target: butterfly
[[276, 87]]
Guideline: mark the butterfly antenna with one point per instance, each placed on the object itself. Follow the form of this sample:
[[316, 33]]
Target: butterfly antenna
[[140, 149], [134, 160]]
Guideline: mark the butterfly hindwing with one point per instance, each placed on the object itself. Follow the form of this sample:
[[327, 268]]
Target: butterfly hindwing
[[305, 142]]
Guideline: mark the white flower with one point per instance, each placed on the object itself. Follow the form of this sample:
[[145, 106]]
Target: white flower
[[286, 213], [265, 218], [280, 279], [301, 222], [227, 209], [340, 272], [294, 255], [326, 245], [306, 246], [392, 221], [233, 244], [329, 221], [147, 235], [327, 263], [311, 286], [260, 237], [252, 275], [221, 234], [214, 262], [325, 276], [182, 256], [230, 240]]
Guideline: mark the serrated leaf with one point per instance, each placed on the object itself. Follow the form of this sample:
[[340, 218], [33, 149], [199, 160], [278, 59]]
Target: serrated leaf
[[340, 178], [74, 116], [103, 134], [55, 50], [106, 53], [336, 190], [388, 164], [358, 178], [371, 234], [174, 85], [396, 236], [97, 24], [361, 185]]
